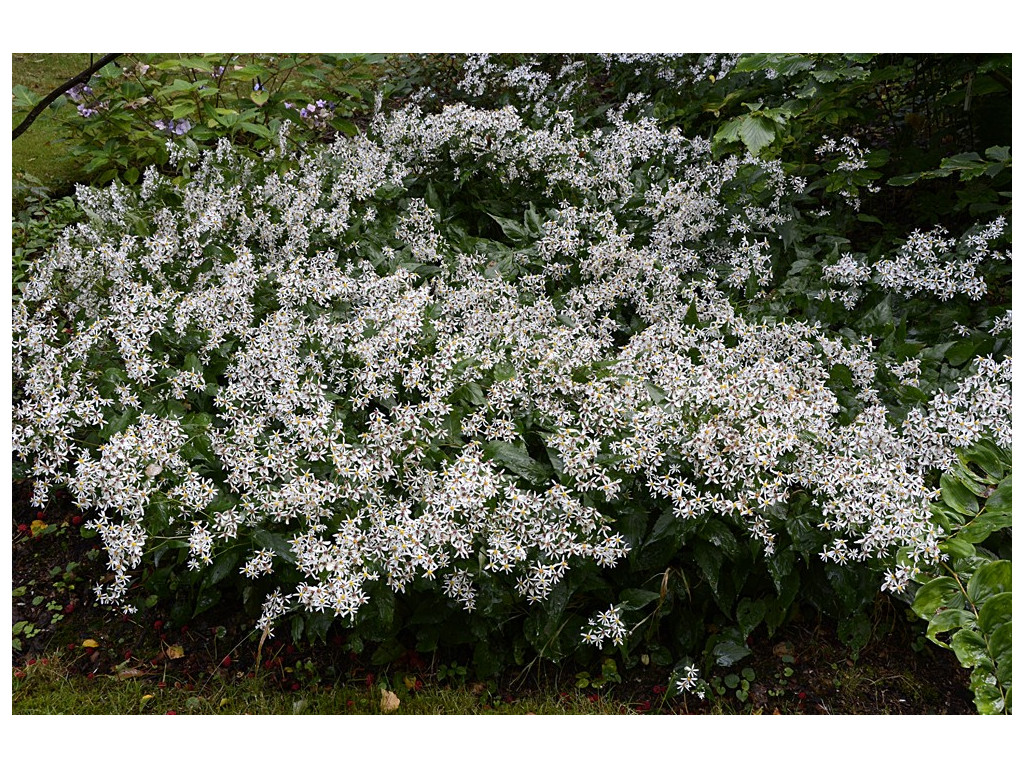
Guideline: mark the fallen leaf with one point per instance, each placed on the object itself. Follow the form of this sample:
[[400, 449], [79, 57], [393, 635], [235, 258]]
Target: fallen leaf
[[388, 701], [125, 674], [175, 652], [783, 649], [38, 526], [409, 681], [90, 644]]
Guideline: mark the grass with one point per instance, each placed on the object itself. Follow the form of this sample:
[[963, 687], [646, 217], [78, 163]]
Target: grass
[[42, 150], [50, 686]]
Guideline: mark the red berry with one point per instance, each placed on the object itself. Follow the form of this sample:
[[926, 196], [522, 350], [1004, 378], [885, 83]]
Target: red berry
[[171, 712], [226, 661], [22, 528], [76, 520], [40, 515], [157, 625], [69, 608], [127, 655], [295, 686], [31, 662], [350, 703]]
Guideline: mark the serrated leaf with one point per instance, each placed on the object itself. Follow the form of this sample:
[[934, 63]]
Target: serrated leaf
[[756, 132]]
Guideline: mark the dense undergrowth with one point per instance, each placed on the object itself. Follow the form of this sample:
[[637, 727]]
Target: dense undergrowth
[[534, 359]]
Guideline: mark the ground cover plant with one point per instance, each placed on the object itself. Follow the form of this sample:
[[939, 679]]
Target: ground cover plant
[[536, 361]]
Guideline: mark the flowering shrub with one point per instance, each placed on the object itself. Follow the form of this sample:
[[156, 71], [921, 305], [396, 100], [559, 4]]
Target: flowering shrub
[[501, 362], [123, 117]]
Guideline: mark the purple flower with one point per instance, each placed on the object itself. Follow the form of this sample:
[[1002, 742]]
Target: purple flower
[[177, 127], [79, 93]]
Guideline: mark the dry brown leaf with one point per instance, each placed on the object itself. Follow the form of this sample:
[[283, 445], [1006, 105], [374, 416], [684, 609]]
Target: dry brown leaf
[[175, 652], [127, 674], [388, 702], [783, 649]]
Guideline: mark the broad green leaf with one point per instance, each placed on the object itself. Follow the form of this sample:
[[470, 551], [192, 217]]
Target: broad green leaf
[[988, 699], [956, 496], [1001, 499], [983, 526], [637, 598], [517, 460], [1000, 645], [971, 649], [750, 613], [947, 621], [729, 650], [941, 592], [756, 132], [995, 612], [24, 98], [990, 579]]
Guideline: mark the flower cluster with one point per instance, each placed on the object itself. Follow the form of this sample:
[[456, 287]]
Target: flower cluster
[[606, 625], [933, 262], [334, 358]]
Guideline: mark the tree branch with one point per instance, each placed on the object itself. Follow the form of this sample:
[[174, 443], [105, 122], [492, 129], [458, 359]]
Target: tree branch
[[82, 77]]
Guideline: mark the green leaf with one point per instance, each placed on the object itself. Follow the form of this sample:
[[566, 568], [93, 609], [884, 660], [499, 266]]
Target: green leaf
[[970, 648], [24, 98], [637, 598], [259, 98], [956, 496], [756, 132], [990, 579], [275, 542], [947, 621], [1000, 645], [750, 613], [941, 592], [517, 460], [995, 612], [983, 526], [730, 649], [1001, 499], [988, 699]]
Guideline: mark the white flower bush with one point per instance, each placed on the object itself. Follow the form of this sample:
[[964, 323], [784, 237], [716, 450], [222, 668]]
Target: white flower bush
[[337, 365]]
